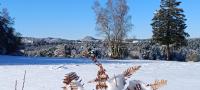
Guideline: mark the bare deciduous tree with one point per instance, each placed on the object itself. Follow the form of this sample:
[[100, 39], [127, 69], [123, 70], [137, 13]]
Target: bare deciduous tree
[[114, 23]]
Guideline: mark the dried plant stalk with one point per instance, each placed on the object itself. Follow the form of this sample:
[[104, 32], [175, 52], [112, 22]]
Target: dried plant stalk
[[16, 85], [69, 77], [24, 80], [73, 86], [158, 84], [128, 72], [69, 80], [101, 79], [94, 59]]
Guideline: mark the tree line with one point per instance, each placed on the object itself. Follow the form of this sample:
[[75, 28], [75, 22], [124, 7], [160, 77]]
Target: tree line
[[114, 23]]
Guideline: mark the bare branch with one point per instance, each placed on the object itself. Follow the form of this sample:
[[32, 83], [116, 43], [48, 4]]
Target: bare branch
[[24, 79]]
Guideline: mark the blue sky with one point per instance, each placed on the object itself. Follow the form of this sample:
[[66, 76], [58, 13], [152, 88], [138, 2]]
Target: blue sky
[[74, 19]]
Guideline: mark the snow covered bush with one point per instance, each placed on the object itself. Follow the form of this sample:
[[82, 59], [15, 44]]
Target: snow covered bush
[[193, 56], [134, 54]]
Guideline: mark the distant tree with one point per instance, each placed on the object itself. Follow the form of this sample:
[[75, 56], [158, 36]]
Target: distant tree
[[10, 40], [169, 25], [114, 23]]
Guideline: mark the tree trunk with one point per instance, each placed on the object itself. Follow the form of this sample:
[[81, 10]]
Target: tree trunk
[[168, 52]]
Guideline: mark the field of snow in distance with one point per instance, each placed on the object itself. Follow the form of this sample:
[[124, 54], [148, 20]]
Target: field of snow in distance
[[48, 73]]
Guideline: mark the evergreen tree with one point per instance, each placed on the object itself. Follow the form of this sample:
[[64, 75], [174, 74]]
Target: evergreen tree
[[169, 25], [9, 39]]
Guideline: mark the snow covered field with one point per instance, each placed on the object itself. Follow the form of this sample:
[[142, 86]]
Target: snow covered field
[[48, 74]]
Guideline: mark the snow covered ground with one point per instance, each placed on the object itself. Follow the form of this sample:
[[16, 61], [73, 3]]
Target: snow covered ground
[[48, 73]]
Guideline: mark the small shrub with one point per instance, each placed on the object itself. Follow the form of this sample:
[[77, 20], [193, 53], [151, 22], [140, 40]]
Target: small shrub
[[193, 56], [134, 54]]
